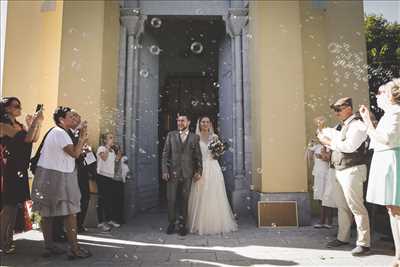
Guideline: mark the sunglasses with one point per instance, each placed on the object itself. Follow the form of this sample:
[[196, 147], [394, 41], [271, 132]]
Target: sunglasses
[[339, 109], [17, 106]]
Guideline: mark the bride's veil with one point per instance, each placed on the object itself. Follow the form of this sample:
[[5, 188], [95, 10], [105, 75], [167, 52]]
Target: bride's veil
[[198, 126]]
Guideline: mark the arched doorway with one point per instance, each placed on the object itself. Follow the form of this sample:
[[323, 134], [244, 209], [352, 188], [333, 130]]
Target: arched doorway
[[162, 72]]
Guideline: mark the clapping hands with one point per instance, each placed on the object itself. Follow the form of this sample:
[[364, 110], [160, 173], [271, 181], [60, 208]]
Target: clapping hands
[[365, 114]]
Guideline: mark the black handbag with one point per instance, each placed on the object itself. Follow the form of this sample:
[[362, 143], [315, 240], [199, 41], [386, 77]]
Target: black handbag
[[34, 161]]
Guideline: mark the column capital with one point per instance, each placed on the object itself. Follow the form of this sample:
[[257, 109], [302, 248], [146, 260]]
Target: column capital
[[235, 21], [133, 21]]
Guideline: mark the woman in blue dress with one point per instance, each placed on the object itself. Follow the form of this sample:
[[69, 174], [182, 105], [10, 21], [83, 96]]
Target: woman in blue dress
[[384, 177]]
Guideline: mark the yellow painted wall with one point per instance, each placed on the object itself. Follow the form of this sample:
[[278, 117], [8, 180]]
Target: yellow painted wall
[[67, 56], [89, 61], [32, 55], [303, 58], [110, 66], [332, 38], [278, 96]]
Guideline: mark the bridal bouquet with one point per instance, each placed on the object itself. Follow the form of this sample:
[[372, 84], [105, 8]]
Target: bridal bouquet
[[217, 147]]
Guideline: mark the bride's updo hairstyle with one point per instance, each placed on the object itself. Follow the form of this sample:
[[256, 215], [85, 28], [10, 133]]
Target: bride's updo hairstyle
[[394, 89]]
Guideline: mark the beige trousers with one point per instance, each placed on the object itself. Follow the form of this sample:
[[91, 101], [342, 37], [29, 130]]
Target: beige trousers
[[349, 198]]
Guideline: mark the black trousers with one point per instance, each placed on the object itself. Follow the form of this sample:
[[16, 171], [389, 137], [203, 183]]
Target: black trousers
[[83, 181], [117, 201], [104, 191]]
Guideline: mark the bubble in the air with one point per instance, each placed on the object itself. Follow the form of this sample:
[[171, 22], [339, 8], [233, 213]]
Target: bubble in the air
[[259, 170], [141, 150], [156, 22], [196, 47], [20, 174], [155, 50], [199, 11], [334, 48], [215, 84], [75, 49], [144, 73]]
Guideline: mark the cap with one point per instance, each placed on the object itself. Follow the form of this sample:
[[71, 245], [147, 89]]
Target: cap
[[345, 101]]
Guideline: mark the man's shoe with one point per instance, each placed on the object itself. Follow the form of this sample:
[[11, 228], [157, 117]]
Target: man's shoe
[[336, 243], [361, 251], [182, 231], [327, 226], [318, 226], [171, 229]]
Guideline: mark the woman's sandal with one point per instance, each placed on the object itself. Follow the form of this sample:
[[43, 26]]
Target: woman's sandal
[[53, 251], [80, 254]]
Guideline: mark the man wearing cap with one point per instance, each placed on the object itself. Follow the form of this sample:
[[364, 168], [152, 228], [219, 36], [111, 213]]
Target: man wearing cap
[[349, 160]]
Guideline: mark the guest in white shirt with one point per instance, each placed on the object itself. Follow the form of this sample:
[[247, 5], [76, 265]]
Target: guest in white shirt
[[384, 176], [320, 171], [55, 190], [349, 159], [106, 157]]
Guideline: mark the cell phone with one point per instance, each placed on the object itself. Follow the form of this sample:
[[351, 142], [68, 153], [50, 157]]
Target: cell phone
[[39, 107]]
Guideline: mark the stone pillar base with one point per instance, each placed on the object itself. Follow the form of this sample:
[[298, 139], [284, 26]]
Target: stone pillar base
[[302, 199]]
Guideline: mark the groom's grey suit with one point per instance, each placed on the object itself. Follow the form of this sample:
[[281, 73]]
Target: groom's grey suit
[[181, 160]]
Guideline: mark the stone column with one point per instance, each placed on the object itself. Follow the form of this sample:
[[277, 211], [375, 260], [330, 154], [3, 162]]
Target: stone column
[[235, 22], [121, 88], [133, 21]]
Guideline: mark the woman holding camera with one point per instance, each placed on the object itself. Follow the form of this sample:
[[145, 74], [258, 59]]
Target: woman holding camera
[[17, 142], [55, 190]]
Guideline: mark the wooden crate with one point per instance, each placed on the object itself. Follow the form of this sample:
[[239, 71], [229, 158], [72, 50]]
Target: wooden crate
[[277, 214]]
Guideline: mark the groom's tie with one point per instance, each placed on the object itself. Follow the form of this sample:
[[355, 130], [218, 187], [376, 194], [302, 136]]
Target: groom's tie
[[183, 135]]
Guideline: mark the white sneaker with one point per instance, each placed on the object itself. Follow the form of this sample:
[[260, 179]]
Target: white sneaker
[[114, 224], [104, 227]]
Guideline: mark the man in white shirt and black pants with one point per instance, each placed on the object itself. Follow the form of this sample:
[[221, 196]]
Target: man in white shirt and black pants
[[349, 160]]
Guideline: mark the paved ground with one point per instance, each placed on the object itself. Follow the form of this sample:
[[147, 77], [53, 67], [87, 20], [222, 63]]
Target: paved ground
[[143, 243]]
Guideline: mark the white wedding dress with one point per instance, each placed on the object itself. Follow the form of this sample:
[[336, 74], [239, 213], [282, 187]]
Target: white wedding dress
[[209, 209]]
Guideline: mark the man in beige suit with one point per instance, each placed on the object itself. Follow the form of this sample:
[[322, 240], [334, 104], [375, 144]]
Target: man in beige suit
[[349, 160]]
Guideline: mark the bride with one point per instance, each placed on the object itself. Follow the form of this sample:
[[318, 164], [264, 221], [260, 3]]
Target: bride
[[209, 210]]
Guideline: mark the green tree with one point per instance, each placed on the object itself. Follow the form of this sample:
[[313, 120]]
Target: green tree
[[383, 51]]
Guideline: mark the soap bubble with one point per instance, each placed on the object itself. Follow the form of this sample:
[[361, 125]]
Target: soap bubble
[[155, 50], [144, 73], [156, 22], [196, 47], [199, 11]]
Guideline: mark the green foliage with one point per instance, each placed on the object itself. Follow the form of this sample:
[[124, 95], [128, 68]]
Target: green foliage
[[383, 54], [383, 46]]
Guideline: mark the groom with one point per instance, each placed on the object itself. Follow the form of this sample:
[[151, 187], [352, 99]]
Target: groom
[[181, 163]]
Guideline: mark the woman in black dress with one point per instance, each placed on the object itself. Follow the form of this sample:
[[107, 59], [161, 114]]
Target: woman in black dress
[[17, 142]]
